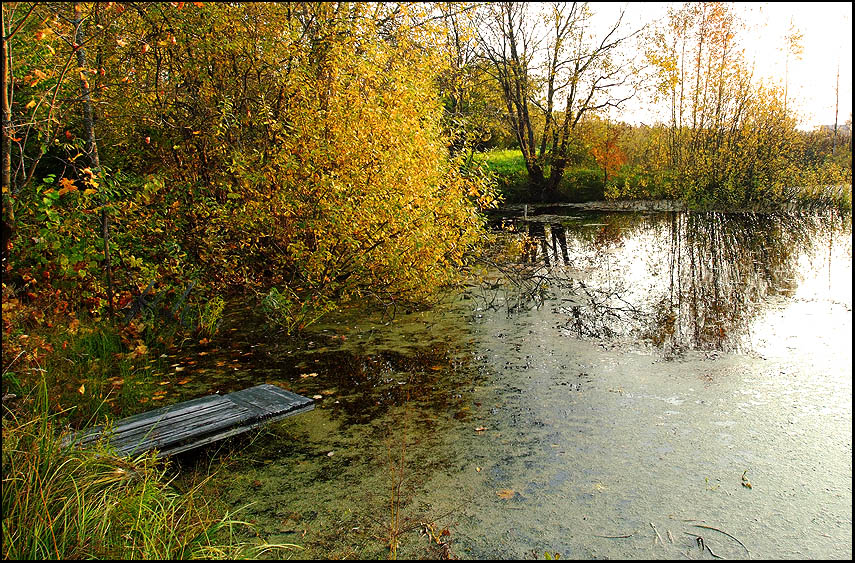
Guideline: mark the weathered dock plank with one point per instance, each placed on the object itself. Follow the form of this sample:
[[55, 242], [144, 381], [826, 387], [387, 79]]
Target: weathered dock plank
[[197, 422]]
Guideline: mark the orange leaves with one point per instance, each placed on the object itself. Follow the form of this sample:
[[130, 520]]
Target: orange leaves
[[506, 494], [67, 185]]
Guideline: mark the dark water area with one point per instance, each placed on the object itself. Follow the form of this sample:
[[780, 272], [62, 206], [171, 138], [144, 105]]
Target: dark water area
[[607, 390]]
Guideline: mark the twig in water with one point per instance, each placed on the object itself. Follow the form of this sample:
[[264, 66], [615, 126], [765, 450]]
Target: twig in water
[[616, 537], [728, 535], [703, 545], [657, 534]]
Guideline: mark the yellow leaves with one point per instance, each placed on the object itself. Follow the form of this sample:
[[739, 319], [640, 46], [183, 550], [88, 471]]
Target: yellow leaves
[[89, 179], [82, 389]]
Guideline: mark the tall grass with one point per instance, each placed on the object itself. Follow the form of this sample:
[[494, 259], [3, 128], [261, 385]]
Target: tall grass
[[60, 502]]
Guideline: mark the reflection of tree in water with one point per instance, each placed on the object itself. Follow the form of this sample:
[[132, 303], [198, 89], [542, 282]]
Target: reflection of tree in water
[[721, 269], [711, 273], [545, 268]]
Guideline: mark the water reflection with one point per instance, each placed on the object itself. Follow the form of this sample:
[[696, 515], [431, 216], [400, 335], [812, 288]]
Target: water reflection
[[680, 280]]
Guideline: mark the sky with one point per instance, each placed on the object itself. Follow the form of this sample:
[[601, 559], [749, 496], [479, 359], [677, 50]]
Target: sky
[[827, 43]]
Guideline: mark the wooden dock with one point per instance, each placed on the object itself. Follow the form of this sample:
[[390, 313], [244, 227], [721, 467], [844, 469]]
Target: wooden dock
[[191, 424]]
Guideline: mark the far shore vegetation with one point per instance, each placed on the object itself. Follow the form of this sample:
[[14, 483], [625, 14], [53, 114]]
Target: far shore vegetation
[[160, 157]]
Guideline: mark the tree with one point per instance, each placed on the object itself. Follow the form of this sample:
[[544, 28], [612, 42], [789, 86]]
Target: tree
[[731, 139], [792, 47], [551, 69], [606, 148]]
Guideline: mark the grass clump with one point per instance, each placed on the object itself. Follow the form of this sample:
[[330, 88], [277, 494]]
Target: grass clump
[[60, 502]]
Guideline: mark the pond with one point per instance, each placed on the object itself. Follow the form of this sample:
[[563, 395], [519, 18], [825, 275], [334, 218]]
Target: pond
[[630, 382]]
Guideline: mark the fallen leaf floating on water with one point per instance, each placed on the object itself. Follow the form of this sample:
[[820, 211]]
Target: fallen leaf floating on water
[[179, 368], [305, 375], [745, 482], [316, 397], [505, 494], [82, 389], [330, 454], [480, 429]]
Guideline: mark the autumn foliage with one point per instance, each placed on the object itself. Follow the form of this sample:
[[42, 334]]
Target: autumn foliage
[[294, 149]]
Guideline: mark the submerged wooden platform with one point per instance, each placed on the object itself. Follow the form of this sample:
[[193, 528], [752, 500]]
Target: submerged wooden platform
[[191, 424]]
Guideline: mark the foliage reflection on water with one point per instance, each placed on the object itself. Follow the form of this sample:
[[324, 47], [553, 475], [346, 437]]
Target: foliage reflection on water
[[678, 280]]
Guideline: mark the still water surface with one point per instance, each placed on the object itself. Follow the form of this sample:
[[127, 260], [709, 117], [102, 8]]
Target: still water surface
[[627, 374]]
